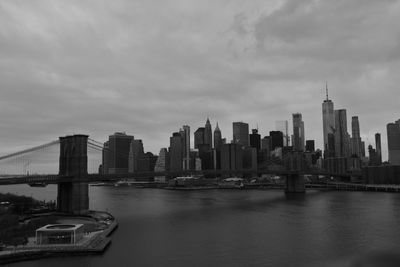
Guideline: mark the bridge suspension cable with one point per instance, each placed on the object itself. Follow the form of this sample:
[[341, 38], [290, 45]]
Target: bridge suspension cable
[[29, 150]]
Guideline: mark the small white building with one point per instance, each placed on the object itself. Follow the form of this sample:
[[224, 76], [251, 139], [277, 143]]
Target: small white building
[[59, 234]]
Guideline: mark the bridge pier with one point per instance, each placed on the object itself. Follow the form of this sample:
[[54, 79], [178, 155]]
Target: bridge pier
[[73, 196], [295, 183]]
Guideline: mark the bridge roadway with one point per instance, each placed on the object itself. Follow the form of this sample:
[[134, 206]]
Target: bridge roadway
[[89, 178]]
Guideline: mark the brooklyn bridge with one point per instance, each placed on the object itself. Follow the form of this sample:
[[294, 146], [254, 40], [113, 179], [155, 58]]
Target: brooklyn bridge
[[73, 178]]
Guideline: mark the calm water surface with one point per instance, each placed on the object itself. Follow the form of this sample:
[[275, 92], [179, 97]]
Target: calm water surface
[[237, 228]]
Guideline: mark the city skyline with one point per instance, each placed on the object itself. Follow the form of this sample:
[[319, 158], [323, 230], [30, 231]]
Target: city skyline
[[73, 67]]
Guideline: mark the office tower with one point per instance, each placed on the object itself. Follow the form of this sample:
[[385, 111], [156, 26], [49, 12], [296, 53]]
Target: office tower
[[119, 146], [362, 149], [356, 145], [176, 152], [255, 139], [162, 164], [373, 157], [250, 158], [105, 158], [208, 134], [199, 137], [185, 132], [217, 138], [136, 152], [283, 126], [329, 152], [393, 135], [310, 145], [276, 139], [342, 142], [378, 147], [241, 133], [328, 120], [298, 140], [231, 157], [266, 143]]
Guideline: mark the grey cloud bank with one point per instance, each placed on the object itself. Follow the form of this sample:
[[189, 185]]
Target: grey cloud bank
[[148, 67]]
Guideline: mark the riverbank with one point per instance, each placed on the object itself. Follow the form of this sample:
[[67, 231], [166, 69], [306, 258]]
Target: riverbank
[[92, 243]]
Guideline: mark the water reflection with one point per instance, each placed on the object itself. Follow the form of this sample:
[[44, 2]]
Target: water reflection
[[241, 228]]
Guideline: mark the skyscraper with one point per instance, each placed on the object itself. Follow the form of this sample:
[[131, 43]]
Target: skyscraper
[[255, 139], [176, 152], [231, 157], [185, 132], [342, 138], [208, 133], [283, 126], [105, 158], [393, 134], [378, 147], [136, 152], [276, 139], [199, 137], [119, 146], [356, 145], [298, 139], [328, 120], [162, 164], [217, 138], [310, 145], [241, 133]]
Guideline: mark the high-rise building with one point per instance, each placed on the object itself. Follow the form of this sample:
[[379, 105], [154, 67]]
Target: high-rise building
[[231, 157], [378, 147], [276, 139], [356, 145], [266, 143], [217, 138], [176, 152], [255, 139], [310, 145], [199, 137], [283, 126], [342, 138], [105, 158], [298, 139], [162, 164], [185, 132], [393, 134], [208, 133], [241, 133], [119, 146], [136, 152], [328, 120]]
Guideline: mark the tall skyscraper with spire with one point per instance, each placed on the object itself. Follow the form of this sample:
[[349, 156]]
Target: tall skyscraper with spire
[[328, 120], [208, 134], [217, 138]]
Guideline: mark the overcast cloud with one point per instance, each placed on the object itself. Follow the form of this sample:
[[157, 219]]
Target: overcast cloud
[[147, 67]]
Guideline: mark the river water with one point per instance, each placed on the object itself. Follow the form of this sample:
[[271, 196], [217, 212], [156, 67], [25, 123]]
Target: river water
[[239, 228]]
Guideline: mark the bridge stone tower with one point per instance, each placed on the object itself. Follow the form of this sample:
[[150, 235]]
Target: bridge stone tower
[[295, 163], [73, 196]]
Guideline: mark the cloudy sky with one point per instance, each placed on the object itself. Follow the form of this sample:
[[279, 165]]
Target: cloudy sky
[[147, 67]]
